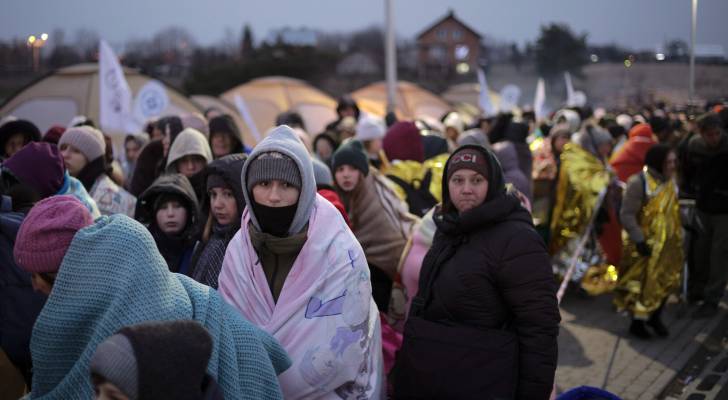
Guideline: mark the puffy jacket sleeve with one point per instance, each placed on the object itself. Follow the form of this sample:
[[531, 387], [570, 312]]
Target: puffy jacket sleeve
[[529, 291], [631, 205]]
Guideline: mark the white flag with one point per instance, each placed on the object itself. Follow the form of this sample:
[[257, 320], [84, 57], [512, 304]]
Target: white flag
[[569, 89], [114, 94], [245, 113], [484, 96], [539, 99]]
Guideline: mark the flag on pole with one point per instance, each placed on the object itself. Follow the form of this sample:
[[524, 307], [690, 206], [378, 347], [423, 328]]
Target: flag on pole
[[245, 113], [115, 97], [569, 89], [484, 96], [540, 99]]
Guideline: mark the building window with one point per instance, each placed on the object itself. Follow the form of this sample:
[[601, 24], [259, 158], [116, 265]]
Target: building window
[[457, 34], [462, 52], [442, 34]]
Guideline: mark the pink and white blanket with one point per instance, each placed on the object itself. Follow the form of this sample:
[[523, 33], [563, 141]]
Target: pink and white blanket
[[325, 317]]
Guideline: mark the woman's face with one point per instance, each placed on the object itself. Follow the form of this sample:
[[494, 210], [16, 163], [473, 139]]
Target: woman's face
[[221, 144], [171, 217], [324, 149], [223, 205], [347, 177], [275, 193], [468, 189], [73, 159], [670, 165], [190, 165]]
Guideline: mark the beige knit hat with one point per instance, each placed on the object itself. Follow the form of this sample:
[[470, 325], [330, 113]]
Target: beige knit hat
[[88, 140]]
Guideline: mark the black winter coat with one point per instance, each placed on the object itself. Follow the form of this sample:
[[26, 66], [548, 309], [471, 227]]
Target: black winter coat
[[492, 274]]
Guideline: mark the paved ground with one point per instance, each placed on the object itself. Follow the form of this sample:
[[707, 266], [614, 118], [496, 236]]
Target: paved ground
[[593, 335]]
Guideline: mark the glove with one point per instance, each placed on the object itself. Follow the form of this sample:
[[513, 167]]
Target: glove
[[644, 249]]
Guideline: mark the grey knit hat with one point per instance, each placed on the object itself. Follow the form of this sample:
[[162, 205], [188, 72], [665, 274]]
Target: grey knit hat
[[273, 165], [114, 360], [88, 140]]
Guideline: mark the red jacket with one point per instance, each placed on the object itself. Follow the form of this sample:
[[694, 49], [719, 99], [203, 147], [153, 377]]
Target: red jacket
[[334, 199], [631, 158]]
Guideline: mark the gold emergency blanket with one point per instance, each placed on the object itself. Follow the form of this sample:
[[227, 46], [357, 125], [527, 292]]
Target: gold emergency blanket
[[413, 172], [645, 282], [581, 179]]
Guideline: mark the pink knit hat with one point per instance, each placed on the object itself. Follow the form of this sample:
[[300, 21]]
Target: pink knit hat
[[47, 231]]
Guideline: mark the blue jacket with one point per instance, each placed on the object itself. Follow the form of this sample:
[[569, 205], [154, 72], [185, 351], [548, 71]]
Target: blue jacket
[[19, 304]]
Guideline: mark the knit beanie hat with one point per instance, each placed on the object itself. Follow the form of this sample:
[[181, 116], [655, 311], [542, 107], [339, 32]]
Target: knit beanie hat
[[115, 362], [144, 360], [453, 120], [404, 142], [196, 121], [89, 141], [40, 166], [273, 165], [370, 128], [352, 153], [322, 173], [47, 232], [53, 134], [467, 158]]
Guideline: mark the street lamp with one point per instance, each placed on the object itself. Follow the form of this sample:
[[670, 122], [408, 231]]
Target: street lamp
[[36, 43], [691, 91]]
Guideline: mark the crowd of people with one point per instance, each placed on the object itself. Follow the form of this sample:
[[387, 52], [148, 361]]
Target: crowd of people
[[380, 258]]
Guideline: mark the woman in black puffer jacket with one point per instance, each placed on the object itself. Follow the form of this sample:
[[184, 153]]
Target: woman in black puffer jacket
[[485, 320]]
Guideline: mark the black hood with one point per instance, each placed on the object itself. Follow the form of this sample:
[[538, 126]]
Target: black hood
[[229, 168], [175, 184], [499, 204]]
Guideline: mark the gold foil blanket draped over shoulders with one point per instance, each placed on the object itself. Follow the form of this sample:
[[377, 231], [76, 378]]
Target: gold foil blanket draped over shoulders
[[581, 179], [646, 281]]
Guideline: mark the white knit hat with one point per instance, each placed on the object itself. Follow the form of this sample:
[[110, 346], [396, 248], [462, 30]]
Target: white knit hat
[[189, 142], [453, 120], [370, 128], [88, 140]]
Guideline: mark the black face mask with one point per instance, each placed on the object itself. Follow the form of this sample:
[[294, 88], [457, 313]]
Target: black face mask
[[275, 220]]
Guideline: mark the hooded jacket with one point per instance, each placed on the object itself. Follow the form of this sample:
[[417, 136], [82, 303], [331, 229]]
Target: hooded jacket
[[176, 250], [189, 142], [208, 257], [494, 272], [631, 157]]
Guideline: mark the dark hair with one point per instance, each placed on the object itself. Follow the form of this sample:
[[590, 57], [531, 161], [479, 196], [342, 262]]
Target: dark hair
[[616, 130], [347, 102], [292, 119], [708, 121], [656, 156], [659, 124], [173, 123]]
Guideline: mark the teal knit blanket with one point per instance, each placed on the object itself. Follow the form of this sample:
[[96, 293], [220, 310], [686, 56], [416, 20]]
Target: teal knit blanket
[[113, 276]]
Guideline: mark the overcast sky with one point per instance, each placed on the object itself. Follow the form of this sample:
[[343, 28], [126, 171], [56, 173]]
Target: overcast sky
[[641, 24]]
